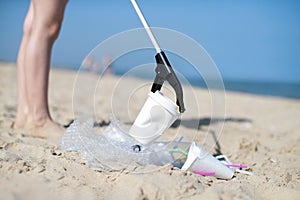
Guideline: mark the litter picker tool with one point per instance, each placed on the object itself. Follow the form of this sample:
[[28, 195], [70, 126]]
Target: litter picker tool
[[164, 71]]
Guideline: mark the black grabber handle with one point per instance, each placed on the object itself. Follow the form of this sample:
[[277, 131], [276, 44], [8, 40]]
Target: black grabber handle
[[164, 72]]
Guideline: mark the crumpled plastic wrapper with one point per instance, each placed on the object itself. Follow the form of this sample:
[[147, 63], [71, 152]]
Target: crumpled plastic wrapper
[[113, 149]]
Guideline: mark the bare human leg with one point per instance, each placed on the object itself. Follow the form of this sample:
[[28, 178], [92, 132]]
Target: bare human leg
[[22, 113], [33, 68]]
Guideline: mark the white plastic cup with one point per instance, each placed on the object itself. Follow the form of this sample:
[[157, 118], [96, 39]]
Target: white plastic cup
[[155, 117], [199, 160]]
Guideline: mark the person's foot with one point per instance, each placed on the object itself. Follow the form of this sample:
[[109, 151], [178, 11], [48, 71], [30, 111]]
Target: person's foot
[[47, 130]]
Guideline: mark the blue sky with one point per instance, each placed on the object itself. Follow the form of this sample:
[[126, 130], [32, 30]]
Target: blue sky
[[248, 40]]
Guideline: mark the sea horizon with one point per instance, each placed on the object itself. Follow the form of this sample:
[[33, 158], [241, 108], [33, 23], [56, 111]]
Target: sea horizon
[[270, 88]]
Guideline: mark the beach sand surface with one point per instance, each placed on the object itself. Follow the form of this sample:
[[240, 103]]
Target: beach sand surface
[[260, 132]]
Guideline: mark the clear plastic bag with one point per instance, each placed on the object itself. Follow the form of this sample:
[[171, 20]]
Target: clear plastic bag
[[113, 149]]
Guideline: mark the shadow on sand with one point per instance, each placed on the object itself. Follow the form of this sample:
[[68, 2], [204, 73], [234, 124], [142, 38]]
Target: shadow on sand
[[198, 124]]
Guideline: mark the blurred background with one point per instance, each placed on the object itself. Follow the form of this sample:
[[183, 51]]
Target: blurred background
[[255, 44]]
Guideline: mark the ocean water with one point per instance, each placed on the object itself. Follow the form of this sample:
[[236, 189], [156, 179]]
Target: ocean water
[[289, 90], [133, 64], [271, 89]]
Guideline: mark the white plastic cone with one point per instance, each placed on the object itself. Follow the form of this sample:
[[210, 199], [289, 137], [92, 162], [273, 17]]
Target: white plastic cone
[[200, 160], [155, 117]]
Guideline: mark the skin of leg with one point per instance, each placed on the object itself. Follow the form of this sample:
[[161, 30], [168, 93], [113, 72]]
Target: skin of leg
[[22, 111], [45, 27]]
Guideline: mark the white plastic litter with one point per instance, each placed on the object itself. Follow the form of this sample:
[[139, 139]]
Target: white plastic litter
[[156, 116], [199, 160], [113, 149]]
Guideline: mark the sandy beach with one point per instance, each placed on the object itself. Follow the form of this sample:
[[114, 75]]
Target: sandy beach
[[260, 132]]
